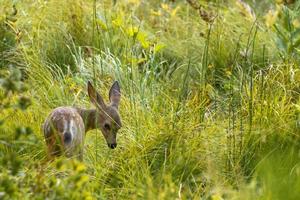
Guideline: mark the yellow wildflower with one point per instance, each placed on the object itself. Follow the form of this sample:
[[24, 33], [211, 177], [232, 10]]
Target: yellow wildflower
[[158, 47], [296, 23], [132, 31], [142, 38], [156, 13], [165, 7], [271, 18], [174, 11], [101, 24], [117, 22]]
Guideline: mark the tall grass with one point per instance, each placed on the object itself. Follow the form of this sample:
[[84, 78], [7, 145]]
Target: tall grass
[[209, 110]]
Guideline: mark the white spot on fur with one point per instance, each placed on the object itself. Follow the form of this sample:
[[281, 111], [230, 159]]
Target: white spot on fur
[[71, 127], [65, 122]]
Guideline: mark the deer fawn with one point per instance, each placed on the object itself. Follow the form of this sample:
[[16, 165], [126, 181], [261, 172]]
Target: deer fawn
[[65, 128]]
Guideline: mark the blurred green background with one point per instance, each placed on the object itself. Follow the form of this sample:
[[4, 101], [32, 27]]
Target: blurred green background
[[210, 97]]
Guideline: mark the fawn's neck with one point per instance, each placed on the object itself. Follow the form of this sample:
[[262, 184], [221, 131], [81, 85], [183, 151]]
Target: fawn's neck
[[89, 117]]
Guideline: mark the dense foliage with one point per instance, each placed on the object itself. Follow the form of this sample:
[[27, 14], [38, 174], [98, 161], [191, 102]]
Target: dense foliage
[[210, 97]]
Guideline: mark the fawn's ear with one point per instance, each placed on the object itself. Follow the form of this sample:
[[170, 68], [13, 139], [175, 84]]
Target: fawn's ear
[[115, 94], [95, 97]]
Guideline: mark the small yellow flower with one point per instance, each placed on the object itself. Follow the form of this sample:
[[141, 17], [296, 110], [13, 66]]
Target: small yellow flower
[[271, 18], [174, 11], [155, 13], [80, 167], [228, 72], [296, 23], [158, 47], [145, 44], [142, 38], [102, 24], [165, 7], [82, 180], [134, 60], [132, 31], [117, 22], [216, 197], [87, 196]]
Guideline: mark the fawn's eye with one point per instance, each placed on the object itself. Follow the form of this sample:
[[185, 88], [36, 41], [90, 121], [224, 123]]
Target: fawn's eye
[[107, 126]]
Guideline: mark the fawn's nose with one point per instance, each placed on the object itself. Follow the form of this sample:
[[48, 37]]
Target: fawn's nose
[[67, 137], [112, 146]]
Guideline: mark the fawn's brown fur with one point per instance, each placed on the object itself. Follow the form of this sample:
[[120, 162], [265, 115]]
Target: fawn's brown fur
[[65, 128]]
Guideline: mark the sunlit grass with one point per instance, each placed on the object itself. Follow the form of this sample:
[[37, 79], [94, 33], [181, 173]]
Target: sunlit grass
[[209, 110]]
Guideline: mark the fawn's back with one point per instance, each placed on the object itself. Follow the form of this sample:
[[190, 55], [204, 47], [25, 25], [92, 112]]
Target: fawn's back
[[64, 132]]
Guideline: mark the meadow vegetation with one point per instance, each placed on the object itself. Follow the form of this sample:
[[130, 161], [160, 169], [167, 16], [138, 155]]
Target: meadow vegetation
[[210, 97]]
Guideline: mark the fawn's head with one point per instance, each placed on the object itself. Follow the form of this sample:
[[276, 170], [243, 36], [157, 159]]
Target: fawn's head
[[107, 117]]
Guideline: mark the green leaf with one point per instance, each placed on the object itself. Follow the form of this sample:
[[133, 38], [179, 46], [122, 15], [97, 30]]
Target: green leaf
[[296, 33], [282, 33], [2, 122], [282, 45], [297, 43]]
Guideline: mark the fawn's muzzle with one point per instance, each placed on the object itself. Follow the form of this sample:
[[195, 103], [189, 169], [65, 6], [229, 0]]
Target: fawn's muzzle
[[67, 137], [112, 146]]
